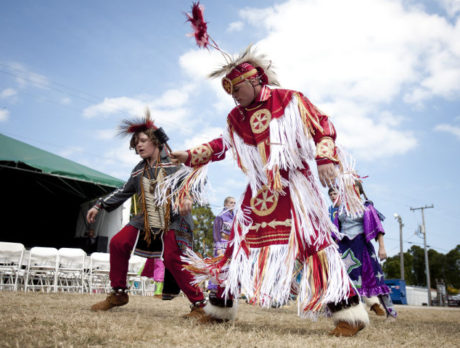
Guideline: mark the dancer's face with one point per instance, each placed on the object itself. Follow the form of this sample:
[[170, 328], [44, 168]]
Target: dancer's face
[[245, 92], [230, 204], [334, 198], [145, 148]]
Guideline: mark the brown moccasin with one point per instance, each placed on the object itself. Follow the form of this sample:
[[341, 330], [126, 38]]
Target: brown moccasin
[[114, 299], [346, 329]]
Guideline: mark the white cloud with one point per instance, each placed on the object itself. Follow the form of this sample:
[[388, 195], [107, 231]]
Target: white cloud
[[168, 110], [105, 134], [454, 130], [354, 59], [118, 161], [371, 53], [71, 151], [115, 105], [66, 101], [173, 98], [4, 115], [205, 135], [7, 93], [25, 77], [369, 138], [198, 64], [235, 26], [121, 157], [452, 7]]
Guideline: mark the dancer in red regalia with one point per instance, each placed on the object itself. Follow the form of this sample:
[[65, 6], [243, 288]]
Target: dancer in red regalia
[[281, 227]]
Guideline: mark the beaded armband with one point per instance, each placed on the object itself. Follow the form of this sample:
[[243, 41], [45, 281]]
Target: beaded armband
[[325, 151], [200, 155]]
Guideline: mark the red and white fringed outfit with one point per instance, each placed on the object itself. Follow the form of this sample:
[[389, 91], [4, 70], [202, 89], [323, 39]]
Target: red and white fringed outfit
[[281, 227]]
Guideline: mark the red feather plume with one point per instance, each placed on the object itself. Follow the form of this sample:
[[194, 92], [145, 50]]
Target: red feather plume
[[137, 125], [199, 26]]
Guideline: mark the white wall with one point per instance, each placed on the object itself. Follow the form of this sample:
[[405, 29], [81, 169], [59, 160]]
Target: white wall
[[107, 224], [416, 296]]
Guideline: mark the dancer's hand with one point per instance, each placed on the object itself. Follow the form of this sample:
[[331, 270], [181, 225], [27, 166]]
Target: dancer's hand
[[185, 207], [178, 157], [382, 253], [327, 174], [91, 215]]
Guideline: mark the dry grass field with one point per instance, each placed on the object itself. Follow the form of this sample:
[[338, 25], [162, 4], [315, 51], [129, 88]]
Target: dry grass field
[[64, 320]]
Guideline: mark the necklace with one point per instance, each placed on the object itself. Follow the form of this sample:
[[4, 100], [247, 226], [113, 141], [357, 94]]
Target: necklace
[[155, 177], [253, 108]]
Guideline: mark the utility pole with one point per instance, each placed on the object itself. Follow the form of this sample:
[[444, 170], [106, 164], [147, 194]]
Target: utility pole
[[401, 248], [428, 283]]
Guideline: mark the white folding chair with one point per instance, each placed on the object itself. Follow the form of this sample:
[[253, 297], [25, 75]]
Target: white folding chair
[[41, 269], [135, 281], [99, 268], [71, 269], [11, 255]]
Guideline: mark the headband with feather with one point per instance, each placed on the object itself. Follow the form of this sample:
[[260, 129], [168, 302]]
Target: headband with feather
[[236, 70], [247, 65]]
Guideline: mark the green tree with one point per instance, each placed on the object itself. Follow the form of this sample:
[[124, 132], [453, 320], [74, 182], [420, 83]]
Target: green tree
[[391, 268], [437, 263], [418, 265], [203, 219], [442, 267], [453, 267]]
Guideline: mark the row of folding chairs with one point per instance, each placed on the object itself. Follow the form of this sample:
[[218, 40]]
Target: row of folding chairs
[[67, 269]]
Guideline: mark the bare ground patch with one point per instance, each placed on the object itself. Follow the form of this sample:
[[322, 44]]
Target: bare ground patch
[[64, 320]]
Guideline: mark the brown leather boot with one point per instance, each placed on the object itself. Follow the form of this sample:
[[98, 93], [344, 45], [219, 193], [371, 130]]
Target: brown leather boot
[[346, 329], [378, 309], [196, 311], [199, 314], [114, 299]]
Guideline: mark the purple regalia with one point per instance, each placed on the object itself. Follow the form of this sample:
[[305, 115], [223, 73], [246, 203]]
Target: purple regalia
[[221, 232], [359, 254]]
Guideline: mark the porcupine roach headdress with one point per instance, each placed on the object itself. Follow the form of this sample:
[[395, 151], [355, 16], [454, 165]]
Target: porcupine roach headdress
[[247, 65], [142, 124]]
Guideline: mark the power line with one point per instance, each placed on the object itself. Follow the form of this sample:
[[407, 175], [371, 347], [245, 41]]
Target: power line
[[57, 86]]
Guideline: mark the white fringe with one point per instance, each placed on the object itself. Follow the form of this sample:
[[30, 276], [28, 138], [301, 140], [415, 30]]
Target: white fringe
[[175, 182], [353, 315], [250, 159], [310, 208], [227, 313], [291, 145], [370, 301], [338, 284], [291, 142], [350, 201]]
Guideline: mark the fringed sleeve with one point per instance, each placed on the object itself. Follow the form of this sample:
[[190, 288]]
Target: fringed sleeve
[[371, 223], [324, 136], [322, 130], [205, 153], [190, 180]]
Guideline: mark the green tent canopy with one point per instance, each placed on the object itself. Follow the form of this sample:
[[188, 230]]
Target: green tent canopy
[[43, 195], [16, 153]]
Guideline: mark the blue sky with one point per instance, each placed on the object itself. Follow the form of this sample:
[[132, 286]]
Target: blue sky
[[386, 71]]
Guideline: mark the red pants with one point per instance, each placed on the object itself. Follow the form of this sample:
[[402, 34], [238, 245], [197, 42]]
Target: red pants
[[121, 246]]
